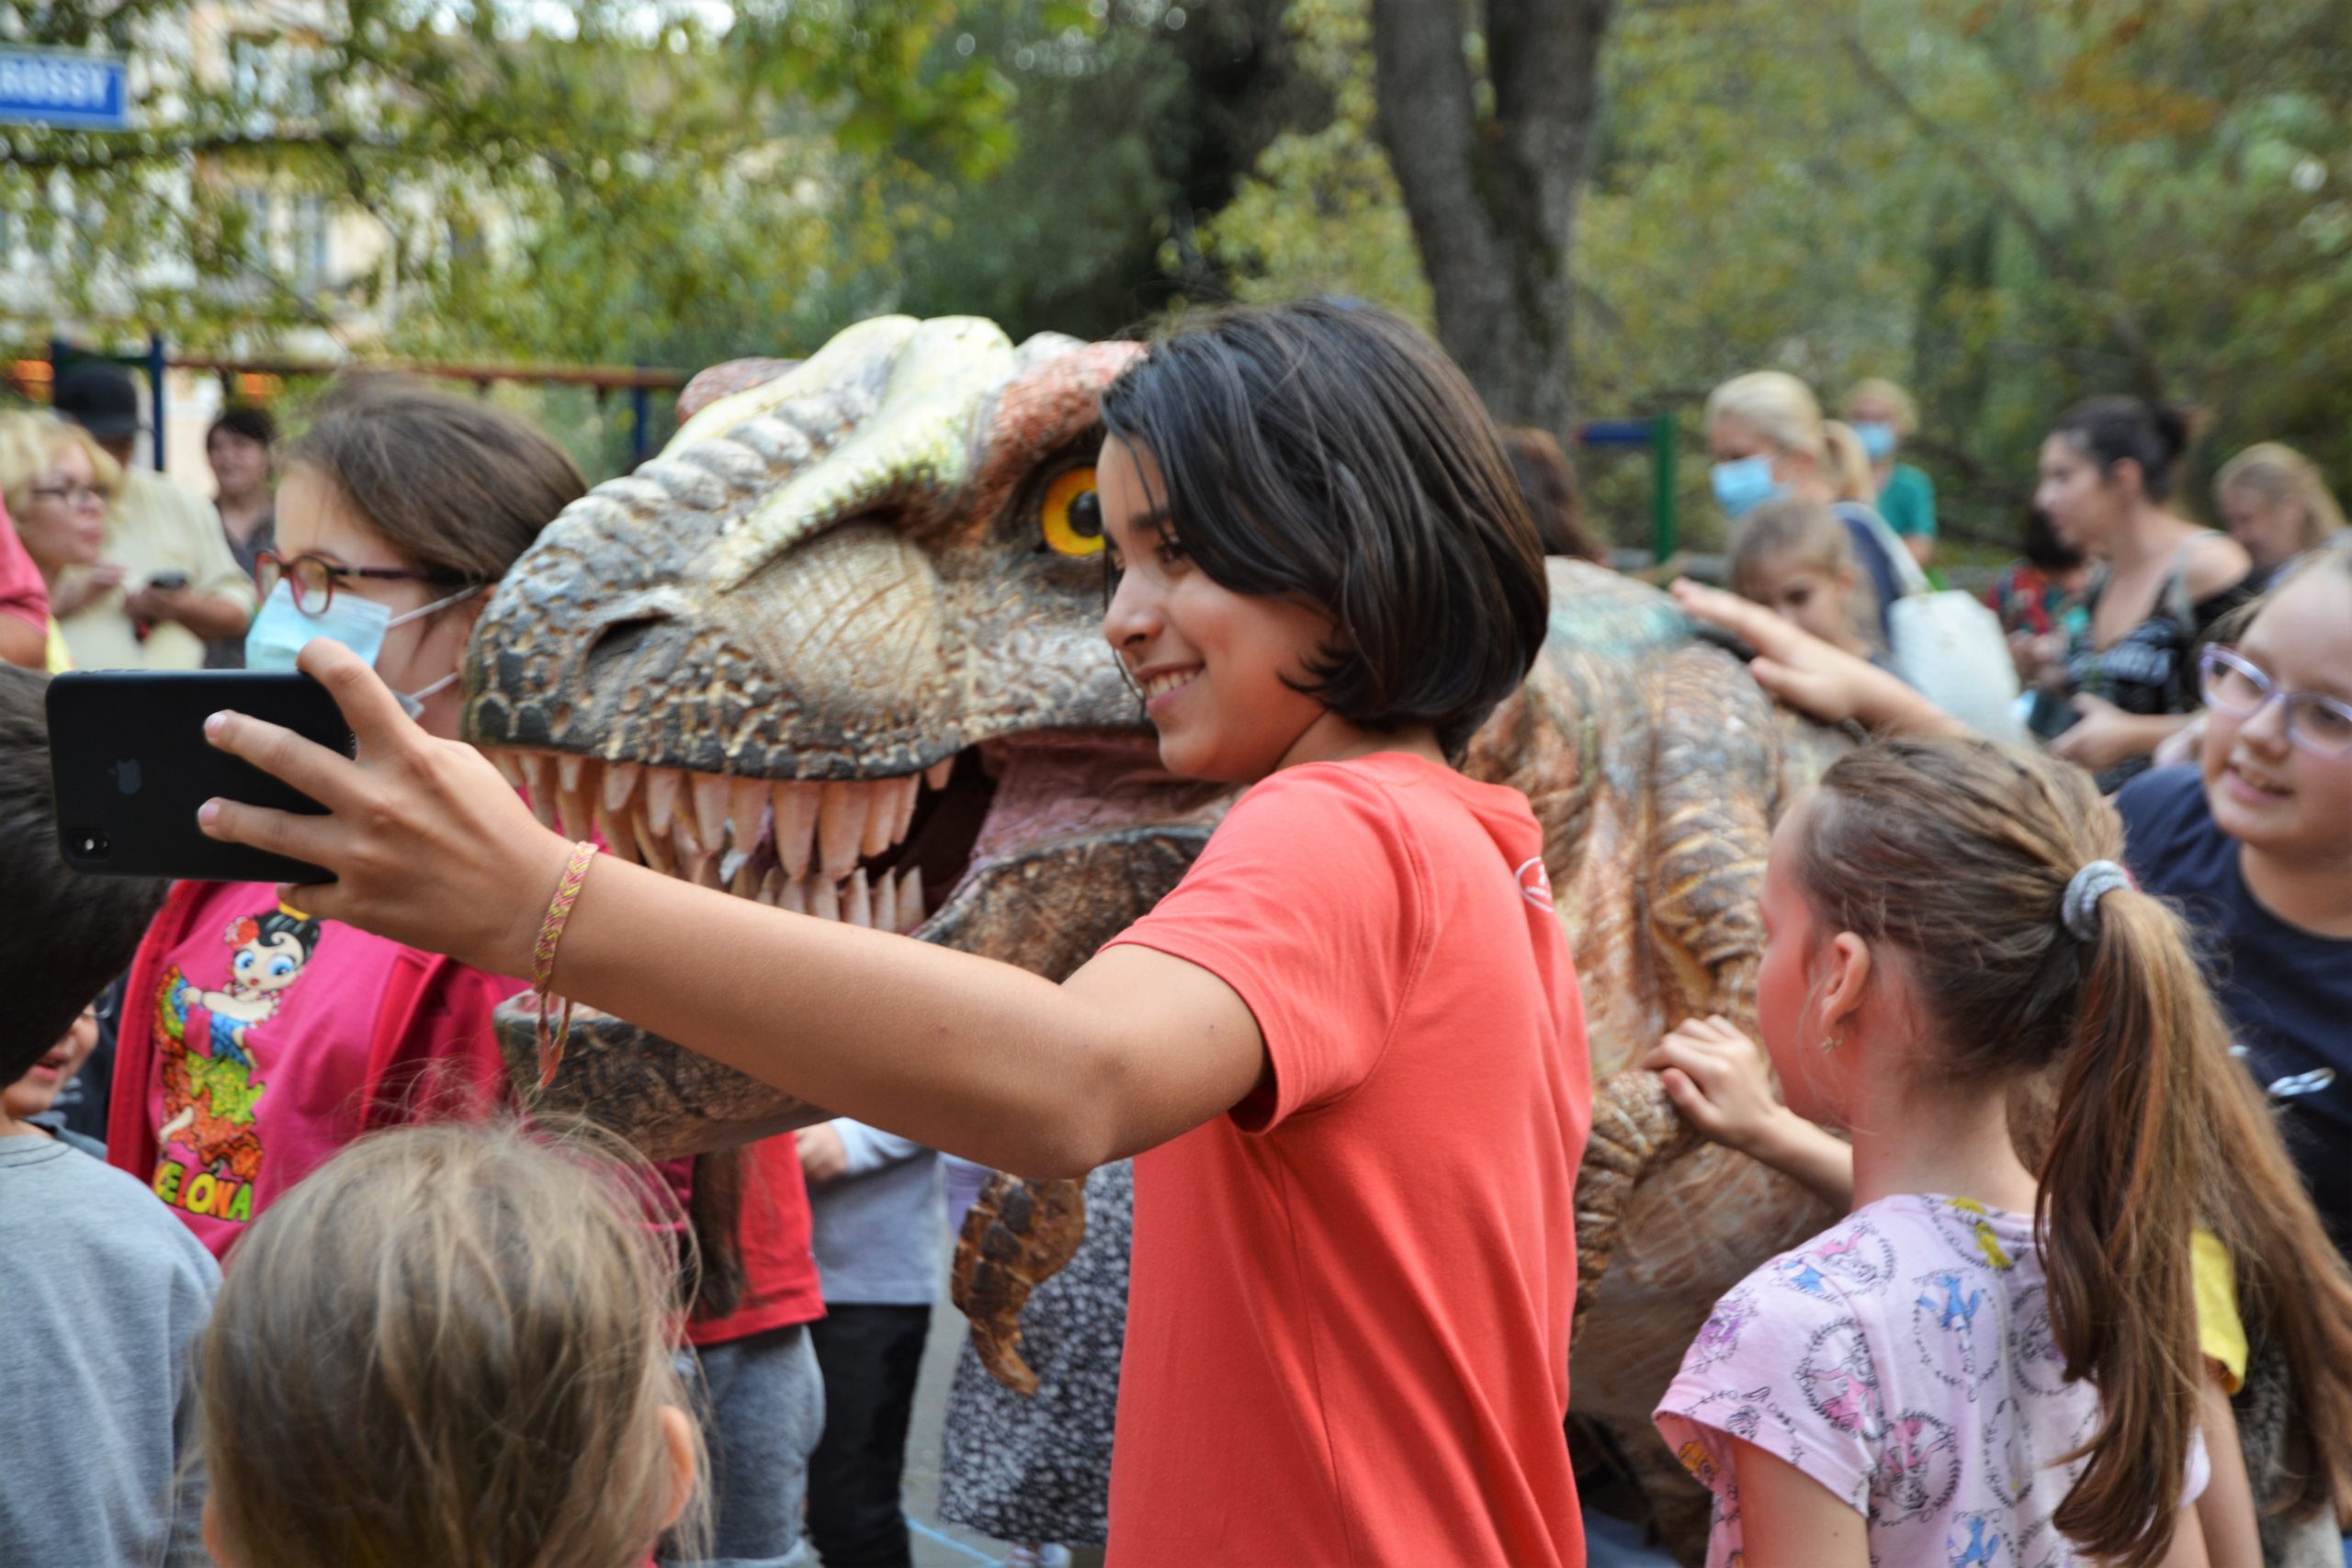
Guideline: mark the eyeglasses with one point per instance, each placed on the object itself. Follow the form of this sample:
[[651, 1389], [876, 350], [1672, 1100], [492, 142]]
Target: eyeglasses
[[73, 495], [313, 577], [2315, 722]]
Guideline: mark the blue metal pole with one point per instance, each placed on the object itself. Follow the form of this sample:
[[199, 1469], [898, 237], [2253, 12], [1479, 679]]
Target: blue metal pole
[[640, 414], [156, 384]]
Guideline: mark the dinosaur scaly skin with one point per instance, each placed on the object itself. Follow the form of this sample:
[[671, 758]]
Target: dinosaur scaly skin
[[838, 650]]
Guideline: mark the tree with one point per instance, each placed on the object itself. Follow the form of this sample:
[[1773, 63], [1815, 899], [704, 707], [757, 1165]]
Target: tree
[[1488, 125], [494, 142]]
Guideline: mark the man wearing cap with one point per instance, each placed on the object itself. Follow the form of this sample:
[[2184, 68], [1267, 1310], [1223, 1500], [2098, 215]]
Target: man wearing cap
[[168, 581]]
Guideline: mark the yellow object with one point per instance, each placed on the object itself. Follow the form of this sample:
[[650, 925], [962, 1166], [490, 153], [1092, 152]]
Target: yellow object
[[55, 657], [2220, 1333]]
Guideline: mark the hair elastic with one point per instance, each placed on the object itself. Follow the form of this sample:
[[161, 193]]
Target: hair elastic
[[2078, 911], [551, 1039]]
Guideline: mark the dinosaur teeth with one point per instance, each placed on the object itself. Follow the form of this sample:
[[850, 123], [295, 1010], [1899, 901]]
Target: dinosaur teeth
[[620, 783], [858, 908], [885, 902], [747, 811], [567, 771], [906, 790], [910, 898], [824, 898], [711, 793], [796, 805], [509, 766], [881, 815], [840, 827], [794, 895], [661, 797], [936, 774], [540, 786]]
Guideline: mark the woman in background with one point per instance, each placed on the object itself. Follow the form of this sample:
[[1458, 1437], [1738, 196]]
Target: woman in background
[[2276, 504]]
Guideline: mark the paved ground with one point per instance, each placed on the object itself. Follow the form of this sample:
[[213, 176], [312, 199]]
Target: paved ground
[[937, 1544]]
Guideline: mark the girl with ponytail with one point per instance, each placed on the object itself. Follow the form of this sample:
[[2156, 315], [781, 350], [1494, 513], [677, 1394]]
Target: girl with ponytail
[[1995, 1358]]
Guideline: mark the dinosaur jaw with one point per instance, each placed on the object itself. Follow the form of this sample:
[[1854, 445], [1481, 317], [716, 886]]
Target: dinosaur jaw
[[889, 851]]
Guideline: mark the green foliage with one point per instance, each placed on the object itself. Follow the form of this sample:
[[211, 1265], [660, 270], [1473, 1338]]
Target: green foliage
[[2005, 206], [597, 181]]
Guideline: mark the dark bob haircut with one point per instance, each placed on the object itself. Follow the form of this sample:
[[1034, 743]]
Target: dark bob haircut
[[1331, 455], [248, 420]]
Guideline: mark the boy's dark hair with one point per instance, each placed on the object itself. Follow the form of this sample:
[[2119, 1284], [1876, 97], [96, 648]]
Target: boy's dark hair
[[457, 486], [248, 420], [2153, 435], [1332, 454], [66, 934]]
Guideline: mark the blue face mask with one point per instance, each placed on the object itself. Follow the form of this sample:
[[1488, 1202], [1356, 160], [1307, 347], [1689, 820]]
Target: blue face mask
[[1745, 484], [282, 627], [1877, 438]]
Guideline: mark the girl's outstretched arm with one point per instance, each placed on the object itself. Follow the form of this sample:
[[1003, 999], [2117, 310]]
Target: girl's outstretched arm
[[1787, 1519], [432, 848], [1718, 1078]]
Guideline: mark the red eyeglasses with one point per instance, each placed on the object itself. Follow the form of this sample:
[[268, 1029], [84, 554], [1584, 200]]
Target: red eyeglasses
[[314, 576]]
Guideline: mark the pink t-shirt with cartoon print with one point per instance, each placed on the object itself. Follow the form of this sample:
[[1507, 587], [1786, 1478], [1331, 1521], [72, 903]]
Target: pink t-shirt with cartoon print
[[1904, 1359], [256, 1043]]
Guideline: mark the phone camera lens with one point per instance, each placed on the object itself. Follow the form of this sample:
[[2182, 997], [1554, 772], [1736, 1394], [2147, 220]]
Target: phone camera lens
[[90, 844]]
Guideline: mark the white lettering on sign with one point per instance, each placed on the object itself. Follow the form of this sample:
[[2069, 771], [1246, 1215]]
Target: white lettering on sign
[[53, 83]]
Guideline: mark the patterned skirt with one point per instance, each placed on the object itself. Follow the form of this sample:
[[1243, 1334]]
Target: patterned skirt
[[1039, 1469]]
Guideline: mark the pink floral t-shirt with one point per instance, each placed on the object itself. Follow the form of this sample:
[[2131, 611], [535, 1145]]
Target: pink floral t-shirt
[[1904, 1359]]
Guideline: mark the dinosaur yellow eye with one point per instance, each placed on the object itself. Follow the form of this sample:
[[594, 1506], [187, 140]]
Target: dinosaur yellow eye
[[1071, 515]]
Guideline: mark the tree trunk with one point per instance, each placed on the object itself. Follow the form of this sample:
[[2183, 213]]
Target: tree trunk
[[1493, 198]]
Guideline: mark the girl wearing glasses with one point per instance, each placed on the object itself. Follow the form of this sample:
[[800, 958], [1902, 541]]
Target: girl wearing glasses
[[399, 508], [2255, 841]]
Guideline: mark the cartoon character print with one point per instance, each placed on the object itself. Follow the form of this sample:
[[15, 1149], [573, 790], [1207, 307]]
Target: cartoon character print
[[209, 1148], [1839, 1379], [1719, 1335], [1918, 1468], [1856, 1255], [1969, 1227], [1973, 1542], [1958, 1324]]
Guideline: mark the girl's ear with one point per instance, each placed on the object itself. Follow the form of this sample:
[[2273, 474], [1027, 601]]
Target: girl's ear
[[2125, 474], [677, 1433], [1845, 979]]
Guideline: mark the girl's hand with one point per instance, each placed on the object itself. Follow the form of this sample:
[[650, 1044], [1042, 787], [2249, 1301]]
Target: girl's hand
[[823, 1156], [1716, 1076], [428, 844], [2105, 735], [1811, 676]]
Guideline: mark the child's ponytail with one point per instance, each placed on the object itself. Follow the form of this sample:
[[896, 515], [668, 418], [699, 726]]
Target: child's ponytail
[[2119, 1195], [2028, 966]]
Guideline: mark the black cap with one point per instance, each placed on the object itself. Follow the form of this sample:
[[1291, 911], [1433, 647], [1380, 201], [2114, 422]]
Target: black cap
[[98, 395]]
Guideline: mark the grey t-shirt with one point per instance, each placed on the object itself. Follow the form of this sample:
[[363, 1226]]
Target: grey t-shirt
[[102, 1292], [878, 1232]]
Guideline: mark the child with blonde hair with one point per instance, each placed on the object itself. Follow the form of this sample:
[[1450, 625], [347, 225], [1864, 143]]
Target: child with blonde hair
[[1795, 558], [451, 1344]]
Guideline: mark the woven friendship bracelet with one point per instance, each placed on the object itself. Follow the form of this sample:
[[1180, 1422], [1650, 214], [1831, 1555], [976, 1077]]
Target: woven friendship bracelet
[[567, 893]]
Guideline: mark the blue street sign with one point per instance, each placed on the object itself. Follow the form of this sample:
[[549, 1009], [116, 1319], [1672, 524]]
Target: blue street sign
[[82, 91]]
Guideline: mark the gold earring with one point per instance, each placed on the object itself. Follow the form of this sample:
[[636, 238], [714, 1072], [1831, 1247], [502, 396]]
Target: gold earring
[[1830, 1041]]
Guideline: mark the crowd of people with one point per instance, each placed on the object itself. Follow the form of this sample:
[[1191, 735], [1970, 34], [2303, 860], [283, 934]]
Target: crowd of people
[[2052, 990]]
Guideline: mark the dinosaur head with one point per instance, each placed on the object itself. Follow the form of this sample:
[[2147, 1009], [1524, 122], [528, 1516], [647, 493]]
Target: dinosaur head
[[838, 648]]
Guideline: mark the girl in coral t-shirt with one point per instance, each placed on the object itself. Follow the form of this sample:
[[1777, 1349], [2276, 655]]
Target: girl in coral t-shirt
[[1347, 1051]]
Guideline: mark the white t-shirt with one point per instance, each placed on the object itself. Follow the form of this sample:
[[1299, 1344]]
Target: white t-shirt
[[1904, 1359]]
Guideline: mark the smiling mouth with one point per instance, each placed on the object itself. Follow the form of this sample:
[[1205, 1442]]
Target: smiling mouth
[[2253, 782], [1160, 685]]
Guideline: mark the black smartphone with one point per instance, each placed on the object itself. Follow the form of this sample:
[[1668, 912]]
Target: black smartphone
[[131, 765], [168, 581]]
